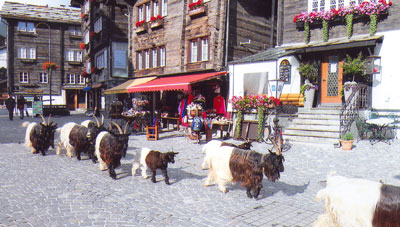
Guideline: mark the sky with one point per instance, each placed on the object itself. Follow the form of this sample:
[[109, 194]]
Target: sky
[[40, 2]]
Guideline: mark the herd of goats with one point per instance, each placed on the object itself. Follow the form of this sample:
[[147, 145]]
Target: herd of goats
[[348, 201]]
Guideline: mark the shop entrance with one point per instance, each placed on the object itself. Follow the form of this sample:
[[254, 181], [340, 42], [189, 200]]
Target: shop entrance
[[331, 80]]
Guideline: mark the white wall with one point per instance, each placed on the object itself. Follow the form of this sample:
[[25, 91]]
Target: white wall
[[3, 58], [57, 99], [385, 90]]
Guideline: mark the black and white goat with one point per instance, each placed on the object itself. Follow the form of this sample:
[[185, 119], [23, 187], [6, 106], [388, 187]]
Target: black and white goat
[[358, 202], [230, 164], [80, 138], [40, 136], [154, 160], [110, 148], [208, 148]]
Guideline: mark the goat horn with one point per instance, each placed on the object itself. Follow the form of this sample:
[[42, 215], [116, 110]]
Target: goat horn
[[48, 120], [44, 120], [102, 120], [97, 120], [118, 127], [276, 146], [109, 127], [126, 127]]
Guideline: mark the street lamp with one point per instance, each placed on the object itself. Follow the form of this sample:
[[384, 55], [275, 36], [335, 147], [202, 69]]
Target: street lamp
[[276, 87], [35, 32]]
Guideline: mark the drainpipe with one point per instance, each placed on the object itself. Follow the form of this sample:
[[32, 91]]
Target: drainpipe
[[271, 42], [227, 33]]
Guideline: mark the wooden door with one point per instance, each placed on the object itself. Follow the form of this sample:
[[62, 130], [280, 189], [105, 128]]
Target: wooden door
[[331, 80]]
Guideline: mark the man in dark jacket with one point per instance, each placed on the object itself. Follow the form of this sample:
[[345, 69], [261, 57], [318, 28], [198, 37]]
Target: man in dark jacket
[[10, 104], [20, 106]]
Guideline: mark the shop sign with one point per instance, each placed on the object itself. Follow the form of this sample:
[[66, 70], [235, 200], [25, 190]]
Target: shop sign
[[285, 71]]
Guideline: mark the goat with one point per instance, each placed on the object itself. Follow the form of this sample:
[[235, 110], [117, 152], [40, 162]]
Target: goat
[[39, 137], [216, 143], [154, 160], [229, 164], [110, 148], [358, 202]]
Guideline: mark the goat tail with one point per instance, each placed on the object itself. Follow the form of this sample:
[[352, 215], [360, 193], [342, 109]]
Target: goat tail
[[25, 124]]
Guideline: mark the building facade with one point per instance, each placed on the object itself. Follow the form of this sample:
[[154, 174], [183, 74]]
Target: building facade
[[105, 47], [39, 34]]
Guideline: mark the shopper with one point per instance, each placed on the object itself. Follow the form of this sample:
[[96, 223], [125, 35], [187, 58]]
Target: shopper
[[21, 105], [10, 104]]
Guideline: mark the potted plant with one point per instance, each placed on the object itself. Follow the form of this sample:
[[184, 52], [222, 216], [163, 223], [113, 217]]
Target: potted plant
[[347, 141], [355, 68], [310, 74]]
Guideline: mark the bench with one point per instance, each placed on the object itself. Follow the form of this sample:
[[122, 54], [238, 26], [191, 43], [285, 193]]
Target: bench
[[295, 99]]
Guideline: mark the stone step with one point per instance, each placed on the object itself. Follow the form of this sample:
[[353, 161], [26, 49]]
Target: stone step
[[319, 111], [316, 121], [308, 139], [319, 116], [307, 127], [314, 133]]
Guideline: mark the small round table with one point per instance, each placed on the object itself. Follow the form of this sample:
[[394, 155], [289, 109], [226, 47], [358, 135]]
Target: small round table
[[379, 127]]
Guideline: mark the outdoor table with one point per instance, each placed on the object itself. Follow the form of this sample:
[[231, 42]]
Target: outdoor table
[[168, 119], [221, 126], [379, 127]]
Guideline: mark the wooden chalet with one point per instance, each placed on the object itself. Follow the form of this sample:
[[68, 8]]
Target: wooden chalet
[[38, 34]]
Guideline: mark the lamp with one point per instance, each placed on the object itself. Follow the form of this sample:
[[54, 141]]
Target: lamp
[[373, 65], [276, 87]]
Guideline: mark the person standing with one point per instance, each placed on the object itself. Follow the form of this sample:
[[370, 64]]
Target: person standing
[[10, 104], [20, 105]]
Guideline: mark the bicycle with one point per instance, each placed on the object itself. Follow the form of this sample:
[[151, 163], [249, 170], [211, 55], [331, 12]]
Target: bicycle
[[273, 134]]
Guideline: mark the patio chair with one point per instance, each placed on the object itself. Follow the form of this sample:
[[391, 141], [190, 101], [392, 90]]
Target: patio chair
[[363, 128]]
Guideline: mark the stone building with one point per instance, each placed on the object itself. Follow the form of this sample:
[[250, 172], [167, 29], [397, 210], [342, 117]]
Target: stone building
[[38, 34]]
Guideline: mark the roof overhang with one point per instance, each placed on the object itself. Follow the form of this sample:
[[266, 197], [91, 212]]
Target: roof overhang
[[338, 44]]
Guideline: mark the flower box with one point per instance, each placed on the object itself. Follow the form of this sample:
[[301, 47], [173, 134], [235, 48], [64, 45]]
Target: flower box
[[157, 24], [299, 25], [141, 28], [197, 12]]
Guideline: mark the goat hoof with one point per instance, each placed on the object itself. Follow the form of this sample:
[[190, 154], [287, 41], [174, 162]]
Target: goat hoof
[[249, 195], [168, 183], [153, 181]]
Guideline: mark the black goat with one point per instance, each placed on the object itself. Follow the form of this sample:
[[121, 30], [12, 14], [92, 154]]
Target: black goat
[[39, 137]]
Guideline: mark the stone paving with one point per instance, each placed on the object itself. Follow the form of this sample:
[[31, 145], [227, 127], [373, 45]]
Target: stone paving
[[59, 191]]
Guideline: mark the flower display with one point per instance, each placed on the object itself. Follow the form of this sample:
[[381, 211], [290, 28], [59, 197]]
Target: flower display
[[195, 5], [85, 74], [139, 102], [83, 15], [158, 17], [249, 102], [307, 87], [49, 66], [82, 46], [140, 23], [364, 9]]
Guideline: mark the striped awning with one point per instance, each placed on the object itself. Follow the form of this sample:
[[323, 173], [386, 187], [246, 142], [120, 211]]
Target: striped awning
[[122, 87]]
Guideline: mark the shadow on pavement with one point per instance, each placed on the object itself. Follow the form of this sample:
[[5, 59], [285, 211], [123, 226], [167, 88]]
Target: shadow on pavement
[[271, 188]]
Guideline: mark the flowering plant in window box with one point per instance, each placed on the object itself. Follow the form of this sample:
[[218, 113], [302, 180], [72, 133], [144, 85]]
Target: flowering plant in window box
[[141, 26], [82, 46], [49, 66], [156, 21], [195, 5], [85, 74], [197, 8]]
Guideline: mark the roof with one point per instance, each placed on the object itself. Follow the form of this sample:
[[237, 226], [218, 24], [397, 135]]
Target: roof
[[173, 82], [13, 10], [267, 55], [130, 83], [336, 44]]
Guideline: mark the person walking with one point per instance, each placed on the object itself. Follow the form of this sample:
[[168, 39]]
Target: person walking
[[20, 105], [10, 104]]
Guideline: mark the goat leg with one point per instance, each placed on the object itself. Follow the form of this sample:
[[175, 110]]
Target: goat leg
[[248, 192], [164, 173], [43, 152], [153, 176], [78, 154], [256, 192], [111, 172]]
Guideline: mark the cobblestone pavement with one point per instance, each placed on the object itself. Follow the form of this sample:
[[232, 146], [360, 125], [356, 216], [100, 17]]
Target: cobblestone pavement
[[59, 191]]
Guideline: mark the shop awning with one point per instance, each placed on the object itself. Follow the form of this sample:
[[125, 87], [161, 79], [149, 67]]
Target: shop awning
[[122, 87], [87, 88], [173, 82]]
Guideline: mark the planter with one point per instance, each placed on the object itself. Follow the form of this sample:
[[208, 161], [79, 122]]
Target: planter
[[309, 97], [197, 12], [141, 28], [300, 25], [347, 144], [157, 24]]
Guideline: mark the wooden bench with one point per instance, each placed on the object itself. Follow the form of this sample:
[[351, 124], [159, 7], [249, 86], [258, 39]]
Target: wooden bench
[[295, 99]]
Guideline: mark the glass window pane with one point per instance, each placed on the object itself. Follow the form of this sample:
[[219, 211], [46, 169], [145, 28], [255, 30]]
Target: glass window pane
[[30, 27], [21, 26], [193, 50]]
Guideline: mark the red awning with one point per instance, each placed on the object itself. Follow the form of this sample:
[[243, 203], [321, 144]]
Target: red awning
[[173, 82]]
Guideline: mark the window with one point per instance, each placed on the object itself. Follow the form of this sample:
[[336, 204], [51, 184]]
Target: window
[[156, 9], [325, 5], [154, 58], [70, 78], [43, 78], [139, 61], [26, 53], [98, 25], [204, 49], [86, 37], [162, 56], [74, 55], [199, 50], [74, 30], [101, 61], [23, 77], [164, 7], [26, 26], [140, 13], [80, 79], [148, 12], [147, 59]]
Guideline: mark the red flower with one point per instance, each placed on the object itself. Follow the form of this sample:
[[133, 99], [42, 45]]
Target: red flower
[[140, 23], [91, 34], [82, 46], [160, 17], [390, 3], [49, 65], [93, 69], [153, 18], [84, 74], [82, 15]]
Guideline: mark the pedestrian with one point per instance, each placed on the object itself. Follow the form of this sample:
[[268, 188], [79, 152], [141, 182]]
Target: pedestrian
[[20, 105], [10, 104]]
